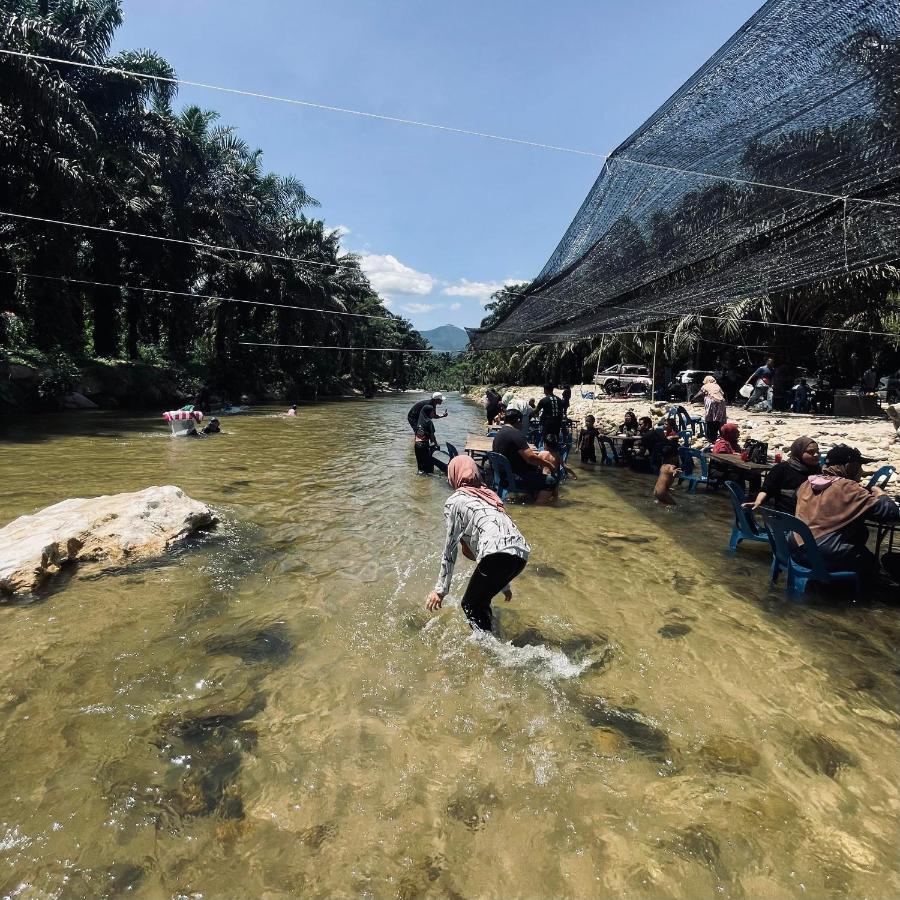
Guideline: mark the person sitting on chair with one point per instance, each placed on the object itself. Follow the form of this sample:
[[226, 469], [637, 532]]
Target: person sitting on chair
[[836, 506], [212, 426], [727, 442], [524, 462], [779, 489]]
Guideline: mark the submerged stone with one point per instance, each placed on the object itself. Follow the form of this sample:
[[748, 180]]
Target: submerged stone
[[542, 571], [726, 754], [206, 750], [633, 725], [696, 843], [270, 644], [473, 807], [674, 631], [628, 538], [823, 755]]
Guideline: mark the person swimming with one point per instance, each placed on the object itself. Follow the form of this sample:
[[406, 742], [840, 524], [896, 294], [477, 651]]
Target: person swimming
[[292, 411]]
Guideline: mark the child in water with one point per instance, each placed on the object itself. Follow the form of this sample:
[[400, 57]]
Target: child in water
[[552, 464], [667, 474], [587, 440]]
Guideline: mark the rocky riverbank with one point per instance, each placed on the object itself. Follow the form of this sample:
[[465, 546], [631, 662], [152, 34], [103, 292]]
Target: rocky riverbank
[[874, 437]]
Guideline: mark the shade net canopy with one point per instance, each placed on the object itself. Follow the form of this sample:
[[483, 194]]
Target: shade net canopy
[[759, 175]]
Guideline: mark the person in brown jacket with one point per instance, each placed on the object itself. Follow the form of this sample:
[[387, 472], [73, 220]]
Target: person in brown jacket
[[836, 506]]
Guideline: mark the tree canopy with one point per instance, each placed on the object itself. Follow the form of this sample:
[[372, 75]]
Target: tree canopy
[[110, 150]]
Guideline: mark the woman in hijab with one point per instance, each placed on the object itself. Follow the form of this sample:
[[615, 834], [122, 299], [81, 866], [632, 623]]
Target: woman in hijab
[[779, 490], [835, 506], [727, 442], [477, 521], [715, 414]]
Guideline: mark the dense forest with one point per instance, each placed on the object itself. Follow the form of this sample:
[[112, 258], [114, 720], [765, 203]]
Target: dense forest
[[81, 307]]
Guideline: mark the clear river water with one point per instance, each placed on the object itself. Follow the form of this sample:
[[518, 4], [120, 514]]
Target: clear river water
[[269, 710]]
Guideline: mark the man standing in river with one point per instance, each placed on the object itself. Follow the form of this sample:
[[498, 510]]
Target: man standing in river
[[415, 411]]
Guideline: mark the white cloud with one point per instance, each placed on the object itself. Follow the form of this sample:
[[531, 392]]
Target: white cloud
[[422, 307], [477, 290], [455, 306], [390, 276], [342, 230], [386, 302]]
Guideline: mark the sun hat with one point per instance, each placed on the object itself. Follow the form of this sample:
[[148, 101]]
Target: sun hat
[[841, 454]]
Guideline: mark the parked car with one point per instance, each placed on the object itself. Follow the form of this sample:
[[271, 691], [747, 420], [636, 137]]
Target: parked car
[[625, 378], [687, 382]]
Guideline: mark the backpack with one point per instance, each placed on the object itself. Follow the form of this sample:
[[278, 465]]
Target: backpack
[[757, 451]]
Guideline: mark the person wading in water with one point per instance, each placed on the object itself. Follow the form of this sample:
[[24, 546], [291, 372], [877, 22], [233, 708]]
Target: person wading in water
[[415, 412], [477, 522]]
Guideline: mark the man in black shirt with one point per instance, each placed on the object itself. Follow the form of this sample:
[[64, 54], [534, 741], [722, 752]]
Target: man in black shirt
[[415, 412], [524, 462], [550, 411]]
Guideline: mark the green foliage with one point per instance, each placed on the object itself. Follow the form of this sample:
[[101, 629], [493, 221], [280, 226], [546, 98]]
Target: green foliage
[[109, 150]]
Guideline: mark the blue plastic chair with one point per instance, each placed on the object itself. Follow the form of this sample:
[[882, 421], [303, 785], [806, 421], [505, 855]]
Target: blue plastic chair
[[881, 477], [694, 469], [745, 527], [780, 526], [686, 421], [502, 481]]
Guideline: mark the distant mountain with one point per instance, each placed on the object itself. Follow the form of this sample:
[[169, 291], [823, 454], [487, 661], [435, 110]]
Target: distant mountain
[[447, 338]]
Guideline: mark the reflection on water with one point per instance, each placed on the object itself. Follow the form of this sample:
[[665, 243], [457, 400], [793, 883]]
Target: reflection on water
[[272, 712]]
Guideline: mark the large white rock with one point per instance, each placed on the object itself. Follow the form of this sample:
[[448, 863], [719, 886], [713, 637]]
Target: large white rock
[[111, 531]]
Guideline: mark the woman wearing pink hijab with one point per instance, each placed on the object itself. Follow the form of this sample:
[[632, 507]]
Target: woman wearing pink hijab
[[477, 520]]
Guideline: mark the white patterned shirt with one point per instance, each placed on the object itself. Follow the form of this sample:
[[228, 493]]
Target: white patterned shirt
[[483, 527]]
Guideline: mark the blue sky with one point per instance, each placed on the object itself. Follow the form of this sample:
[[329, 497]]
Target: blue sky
[[440, 219]]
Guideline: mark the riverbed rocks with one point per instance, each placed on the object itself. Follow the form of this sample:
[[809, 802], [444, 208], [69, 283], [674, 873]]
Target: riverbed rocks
[[107, 532]]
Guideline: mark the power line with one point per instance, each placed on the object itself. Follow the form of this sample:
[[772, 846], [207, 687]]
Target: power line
[[197, 245], [437, 127], [306, 103], [327, 347], [134, 287]]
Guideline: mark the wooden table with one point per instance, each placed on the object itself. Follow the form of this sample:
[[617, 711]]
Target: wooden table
[[478, 444], [734, 460]]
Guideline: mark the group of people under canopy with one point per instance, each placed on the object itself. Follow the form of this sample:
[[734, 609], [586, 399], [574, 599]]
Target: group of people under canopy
[[538, 472], [828, 497]]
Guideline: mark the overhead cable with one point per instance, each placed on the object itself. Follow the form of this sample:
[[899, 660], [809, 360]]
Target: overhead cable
[[197, 245], [435, 126], [306, 103], [134, 287]]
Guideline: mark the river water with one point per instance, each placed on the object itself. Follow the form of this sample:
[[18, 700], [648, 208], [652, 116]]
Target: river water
[[270, 711]]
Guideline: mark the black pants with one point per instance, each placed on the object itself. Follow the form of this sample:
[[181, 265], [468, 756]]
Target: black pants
[[424, 461], [491, 575], [588, 454], [712, 430]]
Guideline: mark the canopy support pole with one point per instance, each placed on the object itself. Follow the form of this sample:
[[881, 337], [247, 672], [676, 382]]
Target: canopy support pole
[[653, 377]]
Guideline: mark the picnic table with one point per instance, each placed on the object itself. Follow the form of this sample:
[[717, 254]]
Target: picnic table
[[734, 460], [479, 444]]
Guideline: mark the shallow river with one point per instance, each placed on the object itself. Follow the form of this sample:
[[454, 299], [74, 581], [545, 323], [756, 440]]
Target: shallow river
[[270, 711]]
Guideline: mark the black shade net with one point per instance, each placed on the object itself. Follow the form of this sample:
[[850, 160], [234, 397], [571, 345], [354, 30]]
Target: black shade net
[[707, 201]]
